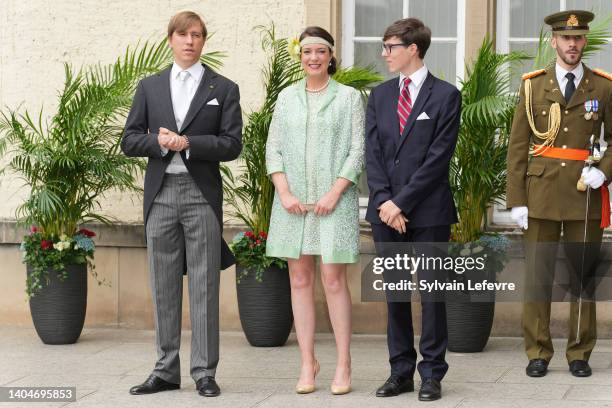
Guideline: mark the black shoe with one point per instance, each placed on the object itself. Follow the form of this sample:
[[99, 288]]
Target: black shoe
[[580, 368], [537, 367], [207, 387], [395, 385], [152, 385], [431, 390]]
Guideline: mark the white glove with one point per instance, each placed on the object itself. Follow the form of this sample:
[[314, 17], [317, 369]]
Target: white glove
[[520, 215], [593, 177]]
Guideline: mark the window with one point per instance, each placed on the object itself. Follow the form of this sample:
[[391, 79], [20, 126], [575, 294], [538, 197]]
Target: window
[[519, 23], [518, 29], [364, 23]]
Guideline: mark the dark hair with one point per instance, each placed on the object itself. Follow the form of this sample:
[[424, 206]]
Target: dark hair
[[411, 31], [183, 20], [314, 31]]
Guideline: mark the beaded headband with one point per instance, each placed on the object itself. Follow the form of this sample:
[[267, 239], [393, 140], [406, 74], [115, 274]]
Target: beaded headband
[[316, 40]]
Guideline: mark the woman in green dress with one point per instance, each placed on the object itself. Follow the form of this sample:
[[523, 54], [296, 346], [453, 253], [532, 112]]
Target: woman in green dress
[[314, 155]]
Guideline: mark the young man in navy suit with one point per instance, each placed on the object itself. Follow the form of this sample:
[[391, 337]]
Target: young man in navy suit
[[412, 123]]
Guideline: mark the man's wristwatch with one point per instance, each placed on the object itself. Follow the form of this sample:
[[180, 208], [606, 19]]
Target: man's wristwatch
[[186, 140]]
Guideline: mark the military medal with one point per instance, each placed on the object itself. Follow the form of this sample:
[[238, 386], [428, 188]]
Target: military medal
[[595, 109], [588, 107]]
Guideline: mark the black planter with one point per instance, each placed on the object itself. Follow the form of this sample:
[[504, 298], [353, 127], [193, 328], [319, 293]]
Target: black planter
[[265, 307], [469, 324], [58, 310]]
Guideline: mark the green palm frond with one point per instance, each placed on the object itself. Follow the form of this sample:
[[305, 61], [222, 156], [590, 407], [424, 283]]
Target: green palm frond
[[360, 78], [477, 170]]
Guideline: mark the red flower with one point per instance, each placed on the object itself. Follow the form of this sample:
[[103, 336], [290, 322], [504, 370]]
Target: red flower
[[249, 234], [34, 229], [46, 244], [87, 233], [263, 235], [258, 242]]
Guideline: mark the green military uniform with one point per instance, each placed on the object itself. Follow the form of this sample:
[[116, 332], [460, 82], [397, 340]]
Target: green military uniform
[[548, 186]]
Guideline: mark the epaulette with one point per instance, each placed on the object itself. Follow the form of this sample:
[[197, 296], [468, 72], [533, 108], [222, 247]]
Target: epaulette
[[603, 73], [533, 74]]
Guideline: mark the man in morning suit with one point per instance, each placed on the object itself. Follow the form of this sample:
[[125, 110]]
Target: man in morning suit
[[412, 123], [185, 120], [561, 108]]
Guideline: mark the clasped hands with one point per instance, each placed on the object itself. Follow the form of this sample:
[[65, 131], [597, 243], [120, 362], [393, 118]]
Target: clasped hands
[[324, 206], [392, 215], [171, 141]]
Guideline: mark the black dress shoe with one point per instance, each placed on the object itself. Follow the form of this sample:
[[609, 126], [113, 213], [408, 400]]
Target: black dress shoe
[[580, 368], [207, 387], [537, 367], [431, 390], [152, 385], [395, 385]]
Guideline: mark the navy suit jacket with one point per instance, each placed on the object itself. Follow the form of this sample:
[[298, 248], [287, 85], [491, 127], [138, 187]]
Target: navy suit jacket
[[411, 169]]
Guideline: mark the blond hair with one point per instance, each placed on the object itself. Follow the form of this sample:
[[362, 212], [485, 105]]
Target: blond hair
[[182, 20]]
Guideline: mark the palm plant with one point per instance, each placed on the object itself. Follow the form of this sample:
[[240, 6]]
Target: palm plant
[[71, 160], [251, 193], [478, 167]]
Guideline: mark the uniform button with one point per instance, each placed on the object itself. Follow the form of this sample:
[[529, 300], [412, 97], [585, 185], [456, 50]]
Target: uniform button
[[567, 112], [396, 162], [565, 129], [544, 112], [564, 146], [563, 164]]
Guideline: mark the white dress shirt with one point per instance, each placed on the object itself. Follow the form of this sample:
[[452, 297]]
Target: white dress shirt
[[181, 100], [416, 82], [562, 80]]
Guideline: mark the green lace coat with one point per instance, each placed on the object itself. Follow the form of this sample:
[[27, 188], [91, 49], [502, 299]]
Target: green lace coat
[[339, 135]]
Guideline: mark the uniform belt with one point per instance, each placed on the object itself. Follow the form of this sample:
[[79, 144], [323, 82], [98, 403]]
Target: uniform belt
[[580, 155], [564, 154]]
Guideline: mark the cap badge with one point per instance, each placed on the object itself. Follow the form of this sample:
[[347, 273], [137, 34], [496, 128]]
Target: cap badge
[[572, 21]]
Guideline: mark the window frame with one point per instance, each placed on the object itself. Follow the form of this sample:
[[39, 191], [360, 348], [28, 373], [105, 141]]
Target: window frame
[[349, 38]]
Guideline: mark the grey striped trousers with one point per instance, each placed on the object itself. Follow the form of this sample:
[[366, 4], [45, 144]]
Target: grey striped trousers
[[182, 227]]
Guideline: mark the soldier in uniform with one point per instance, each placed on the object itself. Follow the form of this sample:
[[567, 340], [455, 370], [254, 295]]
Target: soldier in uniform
[[561, 110]]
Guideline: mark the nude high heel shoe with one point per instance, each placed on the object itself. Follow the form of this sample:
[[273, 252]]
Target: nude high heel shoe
[[308, 388], [340, 389]]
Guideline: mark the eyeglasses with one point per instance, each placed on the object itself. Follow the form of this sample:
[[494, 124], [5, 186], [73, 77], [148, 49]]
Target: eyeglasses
[[388, 48]]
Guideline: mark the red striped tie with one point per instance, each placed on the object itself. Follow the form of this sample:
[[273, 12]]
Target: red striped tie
[[404, 105]]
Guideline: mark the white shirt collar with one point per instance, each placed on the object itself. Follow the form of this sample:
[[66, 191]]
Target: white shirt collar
[[196, 71], [416, 78], [561, 72]]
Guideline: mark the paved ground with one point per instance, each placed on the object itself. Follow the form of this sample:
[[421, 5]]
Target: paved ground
[[105, 363]]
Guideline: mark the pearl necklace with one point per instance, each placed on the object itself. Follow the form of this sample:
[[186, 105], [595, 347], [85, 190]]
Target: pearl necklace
[[319, 89]]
